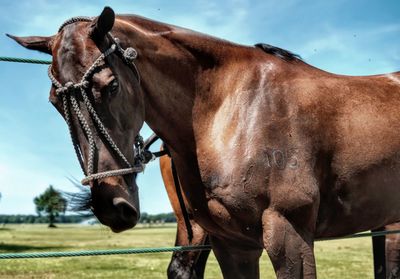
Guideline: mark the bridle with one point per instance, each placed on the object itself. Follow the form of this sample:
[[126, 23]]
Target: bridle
[[142, 153], [67, 93]]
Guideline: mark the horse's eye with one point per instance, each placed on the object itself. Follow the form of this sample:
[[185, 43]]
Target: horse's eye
[[113, 86]]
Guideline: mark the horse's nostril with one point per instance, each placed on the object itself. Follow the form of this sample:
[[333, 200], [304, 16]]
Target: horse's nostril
[[126, 210]]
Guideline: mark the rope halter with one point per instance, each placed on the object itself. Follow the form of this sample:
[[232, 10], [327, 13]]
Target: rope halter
[[67, 93]]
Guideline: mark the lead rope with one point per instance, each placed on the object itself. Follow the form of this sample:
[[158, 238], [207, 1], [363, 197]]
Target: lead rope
[[69, 89]]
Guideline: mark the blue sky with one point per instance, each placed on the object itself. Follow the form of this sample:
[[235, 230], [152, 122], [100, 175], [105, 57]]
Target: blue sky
[[348, 37]]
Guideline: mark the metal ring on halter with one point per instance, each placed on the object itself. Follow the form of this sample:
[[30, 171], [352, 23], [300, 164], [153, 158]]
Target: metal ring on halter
[[67, 93]]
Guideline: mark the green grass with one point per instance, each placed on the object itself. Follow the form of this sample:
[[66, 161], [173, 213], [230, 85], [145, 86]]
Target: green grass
[[342, 259]]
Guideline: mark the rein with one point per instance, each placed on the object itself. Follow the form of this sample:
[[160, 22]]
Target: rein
[[68, 93]]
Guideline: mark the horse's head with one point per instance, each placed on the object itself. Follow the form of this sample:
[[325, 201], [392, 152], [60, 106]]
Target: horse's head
[[96, 90]]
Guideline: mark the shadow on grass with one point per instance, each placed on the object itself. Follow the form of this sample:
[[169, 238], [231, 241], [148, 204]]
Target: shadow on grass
[[5, 229], [14, 248]]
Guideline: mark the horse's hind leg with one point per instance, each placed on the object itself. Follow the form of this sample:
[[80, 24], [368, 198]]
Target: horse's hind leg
[[236, 262], [289, 247], [189, 264]]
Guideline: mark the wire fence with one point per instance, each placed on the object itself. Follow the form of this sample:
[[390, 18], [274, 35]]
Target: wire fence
[[102, 252], [24, 60], [154, 250]]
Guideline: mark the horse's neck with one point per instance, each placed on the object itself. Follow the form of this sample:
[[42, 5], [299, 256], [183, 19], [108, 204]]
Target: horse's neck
[[171, 63]]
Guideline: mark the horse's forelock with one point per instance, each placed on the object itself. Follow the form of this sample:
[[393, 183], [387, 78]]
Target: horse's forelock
[[73, 52]]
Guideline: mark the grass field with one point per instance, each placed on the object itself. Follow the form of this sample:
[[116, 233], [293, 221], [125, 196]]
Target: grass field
[[335, 259]]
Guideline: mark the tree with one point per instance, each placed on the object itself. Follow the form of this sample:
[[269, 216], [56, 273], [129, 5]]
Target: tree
[[50, 203]]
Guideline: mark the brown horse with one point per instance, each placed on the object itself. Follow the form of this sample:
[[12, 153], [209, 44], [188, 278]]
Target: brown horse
[[272, 153]]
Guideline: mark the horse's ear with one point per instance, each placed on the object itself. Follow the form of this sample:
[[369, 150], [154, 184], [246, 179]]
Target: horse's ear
[[102, 24], [42, 44]]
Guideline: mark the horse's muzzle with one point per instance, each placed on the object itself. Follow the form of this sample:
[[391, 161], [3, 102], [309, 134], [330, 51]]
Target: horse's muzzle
[[115, 206], [127, 215]]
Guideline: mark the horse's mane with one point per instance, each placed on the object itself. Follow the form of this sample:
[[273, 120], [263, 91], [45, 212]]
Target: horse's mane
[[278, 52], [273, 50], [162, 27]]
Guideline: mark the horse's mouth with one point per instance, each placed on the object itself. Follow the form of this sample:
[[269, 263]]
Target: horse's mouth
[[118, 225], [118, 228]]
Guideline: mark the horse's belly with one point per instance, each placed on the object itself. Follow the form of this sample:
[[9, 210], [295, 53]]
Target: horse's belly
[[366, 200]]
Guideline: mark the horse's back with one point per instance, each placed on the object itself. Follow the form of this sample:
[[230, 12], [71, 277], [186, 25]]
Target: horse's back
[[362, 141]]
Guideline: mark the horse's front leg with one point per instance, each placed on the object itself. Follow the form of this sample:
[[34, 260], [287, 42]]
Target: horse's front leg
[[236, 262], [289, 247]]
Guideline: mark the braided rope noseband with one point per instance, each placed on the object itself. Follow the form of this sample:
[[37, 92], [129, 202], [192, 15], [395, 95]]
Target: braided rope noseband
[[67, 93]]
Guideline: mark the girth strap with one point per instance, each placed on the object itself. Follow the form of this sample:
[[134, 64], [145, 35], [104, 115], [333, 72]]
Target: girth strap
[[182, 202]]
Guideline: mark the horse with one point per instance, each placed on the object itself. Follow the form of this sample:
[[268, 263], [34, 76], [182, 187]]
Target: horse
[[272, 152]]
